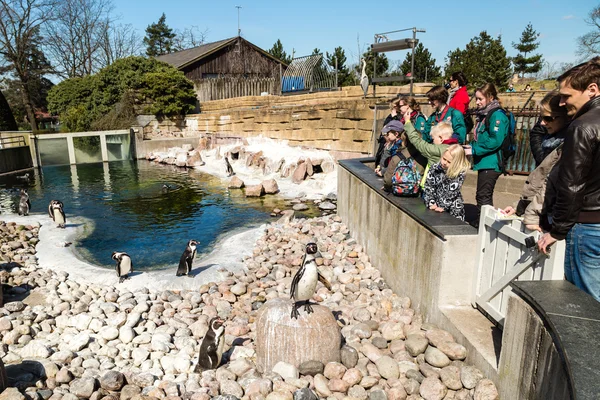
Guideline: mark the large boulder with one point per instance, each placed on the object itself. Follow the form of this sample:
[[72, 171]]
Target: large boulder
[[310, 337], [300, 173], [270, 186], [181, 159], [255, 190], [235, 183], [194, 159]]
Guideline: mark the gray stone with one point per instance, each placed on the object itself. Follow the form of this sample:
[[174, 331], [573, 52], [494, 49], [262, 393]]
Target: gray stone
[[414, 374], [349, 356], [129, 391], [232, 388], [437, 336], [357, 392], [469, 376], [112, 380], [450, 377], [485, 390], [300, 207], [312, 367], [304, 394], [327, 206], [387, 367], [432, 389], [436, 358], [144, 379], [453, 350], [286, 370], [377, 395], [83, 387], [416, 344], [15, 306], [379, 342]]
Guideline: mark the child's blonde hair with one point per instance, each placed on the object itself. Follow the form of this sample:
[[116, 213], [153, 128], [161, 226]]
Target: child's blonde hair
[[444, 129], [460, 163]]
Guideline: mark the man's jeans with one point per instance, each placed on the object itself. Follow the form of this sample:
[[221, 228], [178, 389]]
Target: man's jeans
[[582, 258]]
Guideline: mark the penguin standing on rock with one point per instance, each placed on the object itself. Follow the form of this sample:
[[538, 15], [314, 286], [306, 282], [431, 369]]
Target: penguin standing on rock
[[24, 203], [305, 281], [211, 348], [56, 212], [228, 167], [124, 265], [185, 263]]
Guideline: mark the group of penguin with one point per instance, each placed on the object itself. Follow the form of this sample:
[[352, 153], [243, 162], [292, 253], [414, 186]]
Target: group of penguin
[[55, 208], [304, 285]]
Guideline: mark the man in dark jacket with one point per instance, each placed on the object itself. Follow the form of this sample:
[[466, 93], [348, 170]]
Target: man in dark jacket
[[576, 212]]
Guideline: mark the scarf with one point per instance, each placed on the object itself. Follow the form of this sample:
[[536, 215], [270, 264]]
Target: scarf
[[481, 114], [451, 94], [450, 141], [413, 116]]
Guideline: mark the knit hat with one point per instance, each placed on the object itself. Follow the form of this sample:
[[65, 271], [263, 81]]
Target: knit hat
[[393, 125]]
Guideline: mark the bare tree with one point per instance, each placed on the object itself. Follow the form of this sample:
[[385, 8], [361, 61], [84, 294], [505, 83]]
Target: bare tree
[[119, 41], [76, 34], [589, 44], [20, 22], [189, 37]]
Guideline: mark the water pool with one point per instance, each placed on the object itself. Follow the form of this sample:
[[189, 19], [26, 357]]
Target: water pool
[[128, 211]]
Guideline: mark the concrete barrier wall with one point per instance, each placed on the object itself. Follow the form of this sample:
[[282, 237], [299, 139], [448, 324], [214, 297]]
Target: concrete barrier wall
[[15, 159], [427, 256]]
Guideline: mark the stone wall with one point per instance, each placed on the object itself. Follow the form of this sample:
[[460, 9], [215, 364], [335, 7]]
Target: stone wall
[[340, 121]]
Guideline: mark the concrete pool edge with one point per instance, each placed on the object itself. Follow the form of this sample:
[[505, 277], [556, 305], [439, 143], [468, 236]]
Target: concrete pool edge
[[52, 254]]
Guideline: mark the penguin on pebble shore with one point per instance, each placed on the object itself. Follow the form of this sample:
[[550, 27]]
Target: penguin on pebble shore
[[228, 167], [211, 348], [56, 212], [124, 265], [24, 203], [305, 281], [185, 262]]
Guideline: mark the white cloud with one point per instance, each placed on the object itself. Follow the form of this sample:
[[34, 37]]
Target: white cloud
[[568, 17]]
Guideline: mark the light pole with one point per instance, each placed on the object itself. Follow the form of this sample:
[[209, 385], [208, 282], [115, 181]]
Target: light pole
[[239, 30]]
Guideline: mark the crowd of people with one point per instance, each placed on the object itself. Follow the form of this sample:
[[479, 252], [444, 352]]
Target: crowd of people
[[561, 197]]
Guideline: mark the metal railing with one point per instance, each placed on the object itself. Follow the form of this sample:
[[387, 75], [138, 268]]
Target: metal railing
[[15, 141]]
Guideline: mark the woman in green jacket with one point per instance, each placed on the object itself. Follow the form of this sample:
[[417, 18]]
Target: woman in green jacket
[[438, 97], [490, 131], [417, 118]]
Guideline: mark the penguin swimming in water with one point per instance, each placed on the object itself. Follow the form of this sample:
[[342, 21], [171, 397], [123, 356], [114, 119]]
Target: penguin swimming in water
[[211, 348], [166, 188], [228, 167], [24, 203], [185, 262], [56, 212], [304, 282], [24, 177], [124, 265]]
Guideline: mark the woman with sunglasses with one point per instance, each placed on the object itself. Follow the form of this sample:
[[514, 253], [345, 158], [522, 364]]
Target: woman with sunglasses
[[459, 97], [438, 96], [538, 193]]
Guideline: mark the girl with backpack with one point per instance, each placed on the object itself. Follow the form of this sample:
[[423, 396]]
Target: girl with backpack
[[490, 130], [444, 182]]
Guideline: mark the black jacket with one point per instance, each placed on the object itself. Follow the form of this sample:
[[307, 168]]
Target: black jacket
[[578, 189], [536, 137]]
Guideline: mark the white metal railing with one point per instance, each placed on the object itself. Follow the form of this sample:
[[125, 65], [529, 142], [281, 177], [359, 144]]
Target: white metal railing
[[503, 257]]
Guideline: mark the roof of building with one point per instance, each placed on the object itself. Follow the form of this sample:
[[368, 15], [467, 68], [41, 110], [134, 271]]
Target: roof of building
[[183, 58]]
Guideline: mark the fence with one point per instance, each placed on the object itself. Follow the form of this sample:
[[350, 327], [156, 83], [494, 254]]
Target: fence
[[226, 88], [16, 141], [503, 256], [523, 162]]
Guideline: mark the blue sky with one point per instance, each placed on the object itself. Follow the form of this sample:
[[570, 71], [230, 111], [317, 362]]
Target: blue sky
[[325, 24]]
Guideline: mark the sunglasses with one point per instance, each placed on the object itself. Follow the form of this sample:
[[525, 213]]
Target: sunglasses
[[548, 118]]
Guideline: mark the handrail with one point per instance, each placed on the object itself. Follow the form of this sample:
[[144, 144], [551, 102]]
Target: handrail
[[19, 140]]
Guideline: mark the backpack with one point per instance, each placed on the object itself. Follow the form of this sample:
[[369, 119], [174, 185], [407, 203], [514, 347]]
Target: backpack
[[509, 145], [406, 178]]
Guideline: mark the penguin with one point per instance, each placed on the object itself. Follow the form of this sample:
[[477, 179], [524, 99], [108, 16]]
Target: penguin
[[211, 348], [124, 265], [56, 212], [185, 262], [304, 282], [228, 167], [24, 203], [166, 188], [24, 177]]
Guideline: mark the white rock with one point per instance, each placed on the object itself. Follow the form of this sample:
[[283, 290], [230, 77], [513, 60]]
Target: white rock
[[286, 371], [36, 349], [126, 334], [78, 342], [109, 333]]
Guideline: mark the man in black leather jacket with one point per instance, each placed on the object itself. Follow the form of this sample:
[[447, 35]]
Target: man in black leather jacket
[[576, 212]]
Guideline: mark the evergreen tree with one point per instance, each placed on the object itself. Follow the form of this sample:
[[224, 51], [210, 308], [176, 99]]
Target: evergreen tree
[[316, 51], [424, 65], [526, 45], [7, 120], [159, 38], [344, 76], [382, 64], [278, 52], [483, 60]]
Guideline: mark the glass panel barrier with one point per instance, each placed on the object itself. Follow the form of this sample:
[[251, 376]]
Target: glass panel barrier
[[118, 147], [53, 151], [87, 149]]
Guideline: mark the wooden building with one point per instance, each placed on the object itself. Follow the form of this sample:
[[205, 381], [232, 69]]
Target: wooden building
[[228, 68]]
